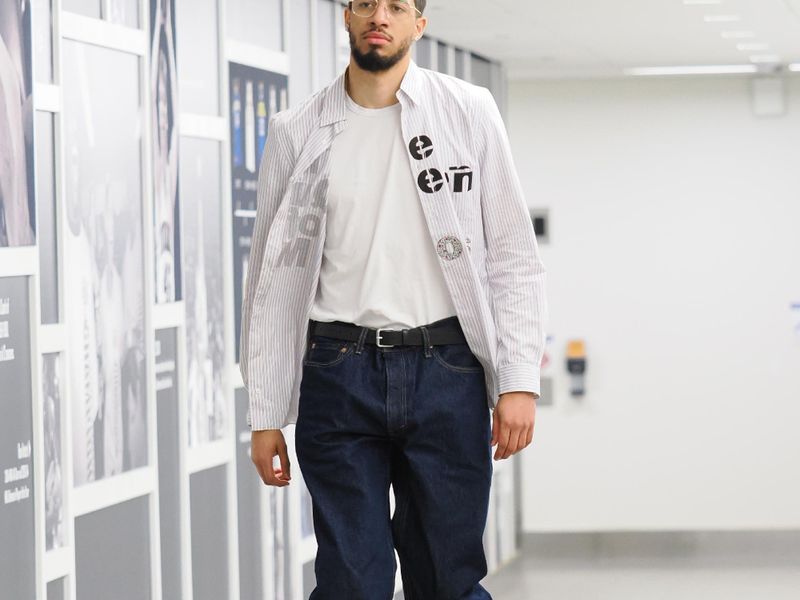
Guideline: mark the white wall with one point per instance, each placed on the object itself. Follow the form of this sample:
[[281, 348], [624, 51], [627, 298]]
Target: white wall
[[675, 253]]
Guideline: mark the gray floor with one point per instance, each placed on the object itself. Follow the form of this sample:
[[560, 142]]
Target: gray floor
[[674, 566]]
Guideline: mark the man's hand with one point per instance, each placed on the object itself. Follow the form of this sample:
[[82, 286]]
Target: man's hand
[[512, 422], [264, 445]]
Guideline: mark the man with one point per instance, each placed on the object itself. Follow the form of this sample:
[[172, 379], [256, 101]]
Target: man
[[394, 291]]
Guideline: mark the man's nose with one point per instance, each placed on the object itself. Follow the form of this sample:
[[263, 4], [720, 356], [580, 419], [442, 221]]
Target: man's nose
[[381, 16]]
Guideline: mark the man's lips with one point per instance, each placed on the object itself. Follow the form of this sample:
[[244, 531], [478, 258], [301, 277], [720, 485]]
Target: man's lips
[[377, 38]]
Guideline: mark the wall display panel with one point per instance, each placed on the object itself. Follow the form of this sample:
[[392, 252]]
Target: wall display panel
[[122, 12], [43, 40], [300, 51], [112, 552], [104, 297], [460, 71], [87, 8], [504, 514], [164, 115], [341, 40], [55, 589], [249, 486], [169, 473], [309, 578], [442, 62], [17, 562], [280, 550], [17, 205], [257, 22], [306, 511], [255, 95], [425, 48], [48, 231], [54, 524], [481, 71], [209, 534], [327, 14], [201, 208], [119, 12], [198, 56]]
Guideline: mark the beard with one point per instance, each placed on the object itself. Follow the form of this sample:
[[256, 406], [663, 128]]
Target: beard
[[373, 60]]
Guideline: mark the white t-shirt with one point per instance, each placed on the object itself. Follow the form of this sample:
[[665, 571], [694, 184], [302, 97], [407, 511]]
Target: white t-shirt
[[379, 265]]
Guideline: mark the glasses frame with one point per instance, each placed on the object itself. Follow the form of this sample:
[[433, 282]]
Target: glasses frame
[[377, 4]]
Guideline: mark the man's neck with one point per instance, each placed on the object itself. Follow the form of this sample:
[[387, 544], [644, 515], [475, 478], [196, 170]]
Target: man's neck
[[375, 90]]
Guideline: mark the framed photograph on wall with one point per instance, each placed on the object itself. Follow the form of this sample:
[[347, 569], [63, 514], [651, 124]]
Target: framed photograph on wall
[[17, 199], [255, 95], [104, 290], [201, 182], [164, 115]]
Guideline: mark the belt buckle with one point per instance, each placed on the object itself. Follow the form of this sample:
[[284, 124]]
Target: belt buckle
[[378, 339]]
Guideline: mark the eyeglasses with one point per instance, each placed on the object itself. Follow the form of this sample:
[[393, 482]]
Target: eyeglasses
[[397, 8]]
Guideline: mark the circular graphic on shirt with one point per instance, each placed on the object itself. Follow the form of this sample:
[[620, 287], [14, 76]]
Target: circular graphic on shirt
[[420, 147], [449, 247], [430, 181]]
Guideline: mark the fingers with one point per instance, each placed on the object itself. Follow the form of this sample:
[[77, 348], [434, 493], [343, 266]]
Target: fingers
[[513, 442], [262, 455], [511, 439], [495, 429], [502, 441], [285, 467]]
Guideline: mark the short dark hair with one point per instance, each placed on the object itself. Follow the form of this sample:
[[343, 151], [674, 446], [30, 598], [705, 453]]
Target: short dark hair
[[420, 4]]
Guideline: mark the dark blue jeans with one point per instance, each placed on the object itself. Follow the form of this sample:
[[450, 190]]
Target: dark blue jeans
[[414, 417]]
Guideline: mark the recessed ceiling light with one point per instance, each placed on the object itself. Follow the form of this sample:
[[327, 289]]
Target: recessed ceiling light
[[795, 67], [722, 18], [737, 35], [701, 2], [765, 58], [692, 70], [752, 46]]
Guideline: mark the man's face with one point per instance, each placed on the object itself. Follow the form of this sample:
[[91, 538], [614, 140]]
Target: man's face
[[379, 42]]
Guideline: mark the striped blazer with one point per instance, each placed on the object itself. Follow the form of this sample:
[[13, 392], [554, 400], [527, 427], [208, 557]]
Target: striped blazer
[[477, 216]]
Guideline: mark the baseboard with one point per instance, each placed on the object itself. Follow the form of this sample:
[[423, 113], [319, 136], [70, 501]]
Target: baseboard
[[771, 547]]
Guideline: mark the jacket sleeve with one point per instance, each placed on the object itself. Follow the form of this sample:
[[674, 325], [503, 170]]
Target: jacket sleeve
[[273, 177], [516, 274]]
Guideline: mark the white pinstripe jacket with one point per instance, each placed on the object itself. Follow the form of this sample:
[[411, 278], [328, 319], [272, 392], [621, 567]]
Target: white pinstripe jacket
[[479, 223]]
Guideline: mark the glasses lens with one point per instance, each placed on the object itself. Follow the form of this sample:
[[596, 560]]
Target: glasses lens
[[367, 8]]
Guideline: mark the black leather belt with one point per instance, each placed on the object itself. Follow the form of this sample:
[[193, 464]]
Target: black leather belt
[[443, 331]]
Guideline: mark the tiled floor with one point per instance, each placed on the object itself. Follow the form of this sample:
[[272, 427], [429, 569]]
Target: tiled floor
[[725, 569]]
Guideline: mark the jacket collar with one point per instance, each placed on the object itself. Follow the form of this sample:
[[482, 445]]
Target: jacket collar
[[335, 107]]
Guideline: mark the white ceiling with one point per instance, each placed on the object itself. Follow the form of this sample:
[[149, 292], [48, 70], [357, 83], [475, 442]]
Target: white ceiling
[[600, 38]]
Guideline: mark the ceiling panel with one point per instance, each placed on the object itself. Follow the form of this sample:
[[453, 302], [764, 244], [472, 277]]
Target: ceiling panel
[[564, 38]]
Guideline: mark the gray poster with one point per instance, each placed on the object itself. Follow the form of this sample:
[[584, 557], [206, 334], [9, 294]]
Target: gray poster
[[54, 533], [166, 212], [209, 534], [104, 292], [112, 552], [249, 494], [16, 432], [46, 215], [55, 589], [169, 475], [17, 213]]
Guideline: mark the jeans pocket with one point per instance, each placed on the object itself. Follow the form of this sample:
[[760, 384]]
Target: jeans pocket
[[457, 357], [326, 352]]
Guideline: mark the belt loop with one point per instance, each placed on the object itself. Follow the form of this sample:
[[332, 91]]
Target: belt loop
[[361, 338], [426, 341]]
